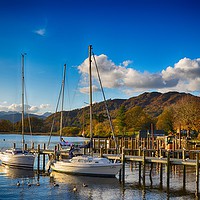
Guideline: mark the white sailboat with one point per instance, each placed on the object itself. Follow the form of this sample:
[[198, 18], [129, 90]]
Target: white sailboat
[[19, 157], [88, 165]]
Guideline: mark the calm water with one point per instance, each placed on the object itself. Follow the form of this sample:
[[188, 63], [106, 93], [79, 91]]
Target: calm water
[[98, 188]]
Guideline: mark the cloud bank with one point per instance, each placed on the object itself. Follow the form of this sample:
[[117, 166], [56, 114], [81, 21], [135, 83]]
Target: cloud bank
[[184, 76], [28, 108]]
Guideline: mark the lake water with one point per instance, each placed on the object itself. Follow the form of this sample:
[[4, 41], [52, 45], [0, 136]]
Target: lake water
[[98, 188]]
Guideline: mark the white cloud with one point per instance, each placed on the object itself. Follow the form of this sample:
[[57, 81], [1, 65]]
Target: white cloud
[[184, 76], [44, 106], [27, 108], [41, 31], [85, 90]]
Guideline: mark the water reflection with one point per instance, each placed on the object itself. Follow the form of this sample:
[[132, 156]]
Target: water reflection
[[87, 187], [16, 172]]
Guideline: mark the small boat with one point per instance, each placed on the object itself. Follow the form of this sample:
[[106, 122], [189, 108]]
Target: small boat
[[18, 157], [88, 165]]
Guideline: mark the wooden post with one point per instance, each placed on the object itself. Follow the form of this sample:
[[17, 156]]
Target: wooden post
[[38, 164], [180, 137], [197, 174], [120, 175], [168, 169], [131, 166], [14, 145], [140, 173], [25, 147], [101, 151], [184, 176], [184, 169], [44, 147], [55, 152], [144, 165], [161, 175], [123, 165], [152, 135], [32, 145]]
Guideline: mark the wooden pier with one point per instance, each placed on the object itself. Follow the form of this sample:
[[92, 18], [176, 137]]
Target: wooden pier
[[131, 151]]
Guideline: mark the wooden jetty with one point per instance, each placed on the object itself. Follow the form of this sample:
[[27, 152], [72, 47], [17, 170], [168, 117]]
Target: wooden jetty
[[141, 151]]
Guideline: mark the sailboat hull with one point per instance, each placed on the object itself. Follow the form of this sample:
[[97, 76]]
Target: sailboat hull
[[100, 167], [19, 160]]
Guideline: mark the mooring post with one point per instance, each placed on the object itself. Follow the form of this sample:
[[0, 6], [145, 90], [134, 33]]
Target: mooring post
[[32, 145], [14, 145], [161, 175], [197, 174], [123, 165], [44, 147], [101, 151], [168, 169], [55, 152], [38, 164], [25, 147], [144, 165], [184, 176]]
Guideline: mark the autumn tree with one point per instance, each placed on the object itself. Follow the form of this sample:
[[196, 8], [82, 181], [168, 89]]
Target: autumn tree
[[137, 119], [165, 120], [121, 120], [187, 113]]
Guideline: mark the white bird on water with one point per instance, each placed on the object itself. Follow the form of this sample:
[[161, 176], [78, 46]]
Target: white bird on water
[[74, 189], [18, 183]]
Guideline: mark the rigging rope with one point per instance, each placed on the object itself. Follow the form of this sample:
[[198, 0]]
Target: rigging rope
[[105, 102], [29, 119], [54, 116]]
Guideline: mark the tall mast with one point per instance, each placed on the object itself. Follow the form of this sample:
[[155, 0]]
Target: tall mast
[[62, 101], [23, 141], [90, 86]]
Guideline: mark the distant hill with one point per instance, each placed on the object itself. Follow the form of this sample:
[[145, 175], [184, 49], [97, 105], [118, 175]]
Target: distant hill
[[16, 116]]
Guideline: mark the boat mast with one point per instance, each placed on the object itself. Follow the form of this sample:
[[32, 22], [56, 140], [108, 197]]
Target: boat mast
[[90, 86], [23, 141], [62, 102]]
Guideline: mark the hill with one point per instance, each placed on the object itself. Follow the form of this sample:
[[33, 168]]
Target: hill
[[153, 104], [16, 116]]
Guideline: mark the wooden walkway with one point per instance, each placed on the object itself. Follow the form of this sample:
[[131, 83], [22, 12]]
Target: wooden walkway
[[142, 156]]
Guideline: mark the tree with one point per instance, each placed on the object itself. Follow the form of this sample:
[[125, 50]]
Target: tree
[[165, 120], [137, 119], [187, 113], [5, 126], [120, 119], [70, 131]]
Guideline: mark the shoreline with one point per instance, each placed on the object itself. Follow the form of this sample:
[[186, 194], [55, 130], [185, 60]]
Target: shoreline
[[19, 133]]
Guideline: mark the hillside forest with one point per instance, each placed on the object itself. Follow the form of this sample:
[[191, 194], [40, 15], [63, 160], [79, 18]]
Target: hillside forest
[[169, 112]]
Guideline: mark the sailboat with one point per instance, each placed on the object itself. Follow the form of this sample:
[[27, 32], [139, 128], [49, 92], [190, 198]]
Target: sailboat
[[19, 157], [88, 165]]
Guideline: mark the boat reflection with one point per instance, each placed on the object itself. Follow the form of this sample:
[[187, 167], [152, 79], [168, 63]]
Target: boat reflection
[[16, 172], [79, 180]]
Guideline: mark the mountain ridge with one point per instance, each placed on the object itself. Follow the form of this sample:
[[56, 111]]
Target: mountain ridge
[[153, 104]]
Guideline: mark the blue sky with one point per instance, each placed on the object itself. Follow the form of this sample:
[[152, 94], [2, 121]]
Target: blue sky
[[140, 46]]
